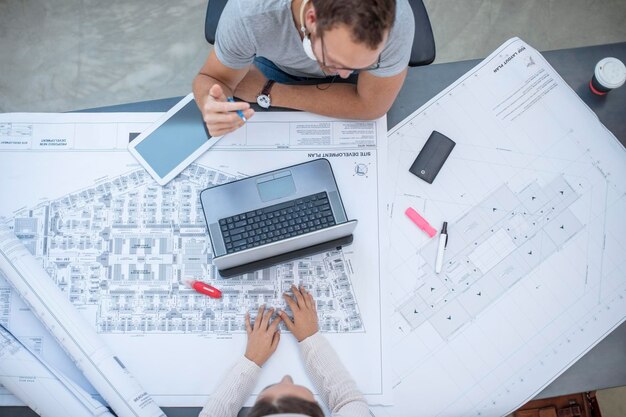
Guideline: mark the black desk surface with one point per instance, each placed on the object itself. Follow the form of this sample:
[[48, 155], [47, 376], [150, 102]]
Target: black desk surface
[[604, 366]]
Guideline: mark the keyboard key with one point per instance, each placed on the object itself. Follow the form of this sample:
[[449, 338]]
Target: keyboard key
[[277, 222], [237, 230]]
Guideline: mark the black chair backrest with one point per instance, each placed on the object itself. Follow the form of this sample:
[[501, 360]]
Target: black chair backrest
[[422, 51]]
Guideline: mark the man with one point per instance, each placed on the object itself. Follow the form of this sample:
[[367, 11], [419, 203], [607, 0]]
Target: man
[[263, 46]]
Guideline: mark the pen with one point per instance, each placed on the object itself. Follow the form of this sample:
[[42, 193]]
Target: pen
[[239, 112], [205, 289], [443, 242]]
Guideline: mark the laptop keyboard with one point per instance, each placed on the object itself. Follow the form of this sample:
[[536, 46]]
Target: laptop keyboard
[[277, 222]]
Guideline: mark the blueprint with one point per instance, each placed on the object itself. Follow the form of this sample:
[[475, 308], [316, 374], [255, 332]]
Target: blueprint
[[89, 352], [46, 391], [534, 273], [120, 247]]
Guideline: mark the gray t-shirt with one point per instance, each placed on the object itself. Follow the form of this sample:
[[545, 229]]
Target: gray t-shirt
[[249, 28]]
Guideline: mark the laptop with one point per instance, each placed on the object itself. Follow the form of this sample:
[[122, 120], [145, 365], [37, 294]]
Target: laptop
[[274, 217]]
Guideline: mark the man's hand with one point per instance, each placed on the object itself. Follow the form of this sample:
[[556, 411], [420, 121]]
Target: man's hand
[[304, 310], [263, 337], [251, 85], [221, 116]]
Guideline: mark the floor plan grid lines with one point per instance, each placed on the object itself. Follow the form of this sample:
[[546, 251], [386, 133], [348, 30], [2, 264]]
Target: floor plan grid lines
[[127, 245], [531, 202], [121, 248]]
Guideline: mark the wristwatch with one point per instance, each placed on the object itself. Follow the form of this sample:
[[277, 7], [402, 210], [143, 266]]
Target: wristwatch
[[263, 99]]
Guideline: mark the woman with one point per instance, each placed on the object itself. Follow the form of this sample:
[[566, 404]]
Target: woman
[[331, 379]]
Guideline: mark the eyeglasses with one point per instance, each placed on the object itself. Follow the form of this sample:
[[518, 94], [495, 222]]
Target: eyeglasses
[[371, 67]]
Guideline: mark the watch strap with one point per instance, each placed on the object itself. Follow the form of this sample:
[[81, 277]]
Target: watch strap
[[267, 87]]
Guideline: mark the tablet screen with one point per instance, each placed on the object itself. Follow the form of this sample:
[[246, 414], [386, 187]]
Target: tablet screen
[[173, 141]]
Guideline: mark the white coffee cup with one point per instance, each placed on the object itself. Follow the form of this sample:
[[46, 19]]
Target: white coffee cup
[[609, 74]]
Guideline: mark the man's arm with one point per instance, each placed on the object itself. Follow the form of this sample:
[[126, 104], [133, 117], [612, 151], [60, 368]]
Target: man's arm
[[211, 86], [369, 99]]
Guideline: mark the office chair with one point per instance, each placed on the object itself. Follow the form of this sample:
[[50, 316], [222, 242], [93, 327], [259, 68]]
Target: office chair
[[422, 51]]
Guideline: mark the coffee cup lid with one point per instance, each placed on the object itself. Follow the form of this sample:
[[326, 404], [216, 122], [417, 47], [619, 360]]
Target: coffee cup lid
[[610, 72]]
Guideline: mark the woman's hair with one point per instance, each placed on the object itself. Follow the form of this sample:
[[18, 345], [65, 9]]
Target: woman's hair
[[285, 405]]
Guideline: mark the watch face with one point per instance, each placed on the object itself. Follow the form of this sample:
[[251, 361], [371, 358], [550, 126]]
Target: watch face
[[263, 100]]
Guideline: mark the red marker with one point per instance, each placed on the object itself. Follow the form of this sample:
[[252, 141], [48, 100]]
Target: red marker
[[205, 289]]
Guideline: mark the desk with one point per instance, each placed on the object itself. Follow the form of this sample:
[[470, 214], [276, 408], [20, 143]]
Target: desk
[[605, 365]]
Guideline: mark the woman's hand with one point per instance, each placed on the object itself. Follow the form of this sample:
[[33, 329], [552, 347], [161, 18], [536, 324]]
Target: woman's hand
[[304, 310], [263, 337]]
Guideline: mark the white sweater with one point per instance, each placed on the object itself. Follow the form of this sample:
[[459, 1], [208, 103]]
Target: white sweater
[[331, 379]]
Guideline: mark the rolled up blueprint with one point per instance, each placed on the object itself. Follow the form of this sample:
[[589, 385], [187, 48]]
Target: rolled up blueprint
[[92, 356], [45, 390]]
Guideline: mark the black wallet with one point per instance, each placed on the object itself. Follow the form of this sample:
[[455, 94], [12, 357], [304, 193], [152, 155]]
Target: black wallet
[[432, 157]]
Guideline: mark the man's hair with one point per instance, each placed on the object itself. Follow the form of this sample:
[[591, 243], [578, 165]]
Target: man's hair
[[368, 20], [285, 405]]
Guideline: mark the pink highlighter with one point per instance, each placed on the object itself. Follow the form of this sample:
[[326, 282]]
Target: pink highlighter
[[420, 222]]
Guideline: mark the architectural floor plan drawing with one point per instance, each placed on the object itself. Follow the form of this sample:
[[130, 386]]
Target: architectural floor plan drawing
[[121, 247], [534, 272], [501, 241], [127, 246]]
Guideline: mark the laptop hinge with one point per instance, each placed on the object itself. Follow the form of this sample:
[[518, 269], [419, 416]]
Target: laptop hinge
[[286, 257]]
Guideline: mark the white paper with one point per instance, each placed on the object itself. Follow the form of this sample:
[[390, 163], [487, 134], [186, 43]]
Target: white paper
[[534, 194], [117, 244], [44, 390], [99, 365]]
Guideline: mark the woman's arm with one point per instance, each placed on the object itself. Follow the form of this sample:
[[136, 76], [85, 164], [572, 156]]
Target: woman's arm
[[233, 391], [263, 338], [331, 379]]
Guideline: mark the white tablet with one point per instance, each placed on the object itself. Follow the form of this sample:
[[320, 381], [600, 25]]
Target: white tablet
[[173, 142]]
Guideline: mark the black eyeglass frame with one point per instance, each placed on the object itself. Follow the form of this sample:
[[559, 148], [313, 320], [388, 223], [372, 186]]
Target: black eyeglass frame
[[370, 68]]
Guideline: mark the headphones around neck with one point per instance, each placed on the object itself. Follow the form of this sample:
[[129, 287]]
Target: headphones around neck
[[306, 39]]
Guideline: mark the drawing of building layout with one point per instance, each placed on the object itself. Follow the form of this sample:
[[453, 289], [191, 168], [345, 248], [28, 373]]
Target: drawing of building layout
[[128, 245], [501, 240], [534, 194], [121, 248]]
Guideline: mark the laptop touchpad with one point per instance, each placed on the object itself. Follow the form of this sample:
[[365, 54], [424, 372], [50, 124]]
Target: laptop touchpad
[[278, 185]]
